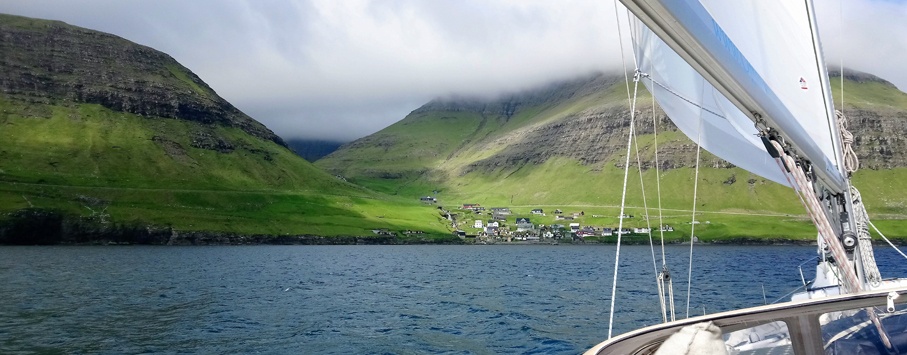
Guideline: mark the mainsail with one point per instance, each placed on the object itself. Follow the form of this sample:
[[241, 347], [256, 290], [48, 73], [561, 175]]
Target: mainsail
[[747, 81], [746, 69], [741, 70]]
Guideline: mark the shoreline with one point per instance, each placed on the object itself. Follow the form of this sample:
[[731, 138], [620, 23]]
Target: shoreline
[[49, 228]]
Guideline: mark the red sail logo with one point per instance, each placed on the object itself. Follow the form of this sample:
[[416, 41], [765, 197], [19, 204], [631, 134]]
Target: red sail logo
[[803, 84]]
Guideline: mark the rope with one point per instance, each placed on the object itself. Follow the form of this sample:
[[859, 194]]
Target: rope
[[693, 223], [851, 162], [870, 269], [816, 213]]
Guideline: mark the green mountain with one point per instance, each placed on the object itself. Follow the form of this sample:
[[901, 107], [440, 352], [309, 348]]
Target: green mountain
[[564, 146], [101, 132]]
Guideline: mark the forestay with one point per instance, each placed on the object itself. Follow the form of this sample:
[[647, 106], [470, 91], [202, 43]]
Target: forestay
[[761, 64]]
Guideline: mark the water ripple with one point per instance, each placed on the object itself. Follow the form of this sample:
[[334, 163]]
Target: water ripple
[[358, 299]]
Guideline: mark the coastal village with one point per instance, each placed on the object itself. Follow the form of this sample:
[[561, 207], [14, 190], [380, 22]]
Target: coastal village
[[474, 222]]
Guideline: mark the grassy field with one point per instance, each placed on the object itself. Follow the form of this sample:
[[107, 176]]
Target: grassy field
[[91, 162], [233, 211], [86, 160]]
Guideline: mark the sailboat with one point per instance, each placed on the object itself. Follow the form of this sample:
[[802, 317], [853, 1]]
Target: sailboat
[[748, 82]]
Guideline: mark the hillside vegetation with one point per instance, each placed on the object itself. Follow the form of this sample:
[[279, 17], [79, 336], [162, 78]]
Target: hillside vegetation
[[565, 145], [104, 133]]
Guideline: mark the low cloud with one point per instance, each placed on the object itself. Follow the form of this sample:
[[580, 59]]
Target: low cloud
[[343, 69]]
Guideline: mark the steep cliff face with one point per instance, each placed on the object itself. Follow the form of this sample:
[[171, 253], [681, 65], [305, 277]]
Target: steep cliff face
[[52, 62], [103, 140], [586, 121], [80, 107]]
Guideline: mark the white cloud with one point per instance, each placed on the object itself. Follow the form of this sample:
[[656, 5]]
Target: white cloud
[[868, 35], [343, 69]]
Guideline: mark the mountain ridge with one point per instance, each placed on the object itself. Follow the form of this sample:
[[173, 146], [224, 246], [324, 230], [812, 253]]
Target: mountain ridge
[[104, 140], [110, 71], [526, 149]]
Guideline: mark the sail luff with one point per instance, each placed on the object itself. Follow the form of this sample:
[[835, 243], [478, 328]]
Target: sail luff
[[690, 30], [825, 84]]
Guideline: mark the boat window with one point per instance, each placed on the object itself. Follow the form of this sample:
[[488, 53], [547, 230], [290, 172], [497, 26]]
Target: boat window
[[769, 338], [852, 332]]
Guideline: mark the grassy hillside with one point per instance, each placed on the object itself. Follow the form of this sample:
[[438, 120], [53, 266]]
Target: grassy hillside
[[102, 130], [567, 151], [87, 160]]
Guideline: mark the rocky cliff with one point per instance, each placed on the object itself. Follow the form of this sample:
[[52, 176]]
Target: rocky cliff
[[51, 62], [456, 142], [593, 135]]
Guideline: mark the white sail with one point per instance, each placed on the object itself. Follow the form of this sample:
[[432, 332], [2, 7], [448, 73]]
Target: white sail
[[694, 105], [745, 62], [776, 37]]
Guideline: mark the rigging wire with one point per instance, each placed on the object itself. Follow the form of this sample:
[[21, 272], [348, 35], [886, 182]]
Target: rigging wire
[[642, 187], [664, 274], [840, 38], [626, 171], [620, 224], [693, 223], [887, 241], [658, 183]]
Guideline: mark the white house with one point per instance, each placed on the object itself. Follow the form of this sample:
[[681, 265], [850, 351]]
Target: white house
[[478, 224], [494, 224]]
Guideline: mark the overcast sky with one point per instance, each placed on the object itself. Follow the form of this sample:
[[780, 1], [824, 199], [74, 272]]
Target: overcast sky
[[342, 69]]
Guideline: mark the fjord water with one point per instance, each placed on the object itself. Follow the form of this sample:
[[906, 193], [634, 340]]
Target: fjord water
[[365, 299]]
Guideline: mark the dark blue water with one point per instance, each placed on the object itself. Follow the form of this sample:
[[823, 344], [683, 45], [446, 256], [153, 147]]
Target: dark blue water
[[363, 299]]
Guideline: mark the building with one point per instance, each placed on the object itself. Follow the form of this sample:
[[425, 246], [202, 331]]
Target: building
[[523, 224], [478, 224], [585, 232], [537, 211], [428, 199], [607, 232], [500, 210]]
